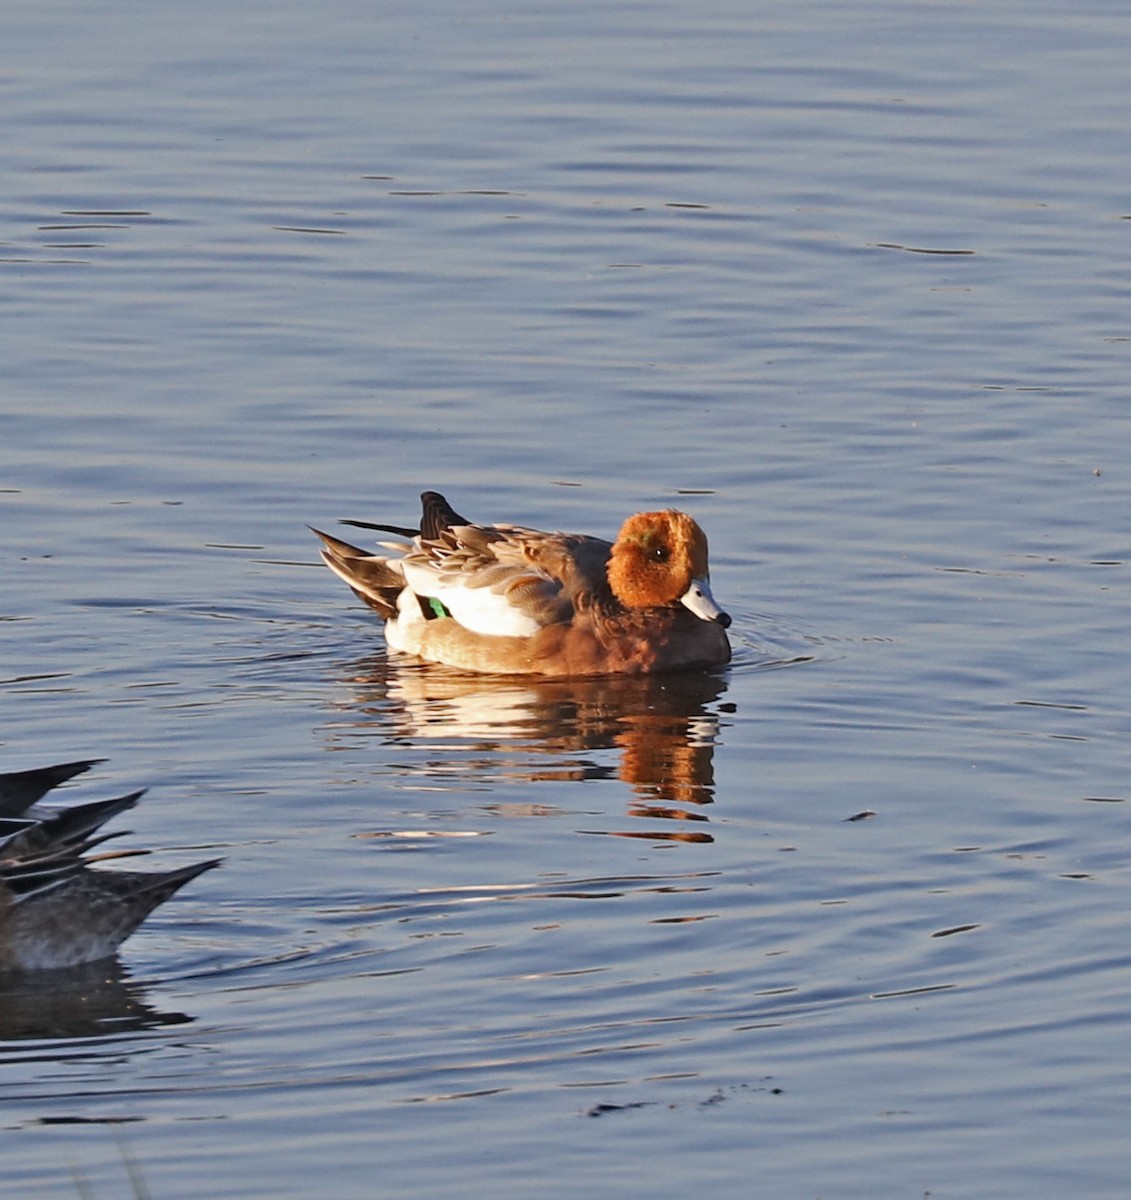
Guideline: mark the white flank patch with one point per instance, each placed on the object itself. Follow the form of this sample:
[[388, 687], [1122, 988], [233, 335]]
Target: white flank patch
[[484, 611], [477, 609]]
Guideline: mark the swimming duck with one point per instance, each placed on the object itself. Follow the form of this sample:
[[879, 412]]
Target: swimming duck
[[503, 599], [54, 910]]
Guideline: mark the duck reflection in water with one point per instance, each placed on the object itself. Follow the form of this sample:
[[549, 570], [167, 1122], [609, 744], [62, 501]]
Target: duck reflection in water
[[88, 1001], [664, 727]]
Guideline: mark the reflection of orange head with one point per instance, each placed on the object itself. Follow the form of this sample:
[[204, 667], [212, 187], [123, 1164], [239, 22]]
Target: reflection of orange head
[[661, 760], [655, 558]]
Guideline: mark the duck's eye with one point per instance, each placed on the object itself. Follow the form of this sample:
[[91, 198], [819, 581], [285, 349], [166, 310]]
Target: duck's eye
[[660, 553]]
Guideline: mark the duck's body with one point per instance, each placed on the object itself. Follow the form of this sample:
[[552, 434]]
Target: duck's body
[[55, 911], [504, 599]]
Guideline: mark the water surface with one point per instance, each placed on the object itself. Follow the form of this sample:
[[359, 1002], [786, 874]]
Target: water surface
[[847, 918]]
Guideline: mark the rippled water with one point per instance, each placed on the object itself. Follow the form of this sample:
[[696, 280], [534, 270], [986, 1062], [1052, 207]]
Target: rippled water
[[847, 919]]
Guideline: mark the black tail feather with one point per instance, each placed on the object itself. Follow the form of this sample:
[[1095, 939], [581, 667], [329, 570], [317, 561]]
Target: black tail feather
[[437, 515], [399, 530], [19, 790]]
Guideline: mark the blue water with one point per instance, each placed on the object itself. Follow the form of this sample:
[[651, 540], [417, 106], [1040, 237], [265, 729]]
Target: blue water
[[845, 920]]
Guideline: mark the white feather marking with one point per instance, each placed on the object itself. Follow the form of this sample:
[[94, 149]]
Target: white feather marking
[[483, 611], [478, 609]]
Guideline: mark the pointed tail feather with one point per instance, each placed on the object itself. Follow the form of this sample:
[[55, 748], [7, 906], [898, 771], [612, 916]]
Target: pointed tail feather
[[143, 891], [370, 576], [436, 516], [66, 832], [400, 530], [19, 790], [162, 884]]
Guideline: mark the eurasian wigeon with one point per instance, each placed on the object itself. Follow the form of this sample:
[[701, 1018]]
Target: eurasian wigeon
[[502, 599], [54, 910]]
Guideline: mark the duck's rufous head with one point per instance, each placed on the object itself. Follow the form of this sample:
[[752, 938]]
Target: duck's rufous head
[[660, 558]]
